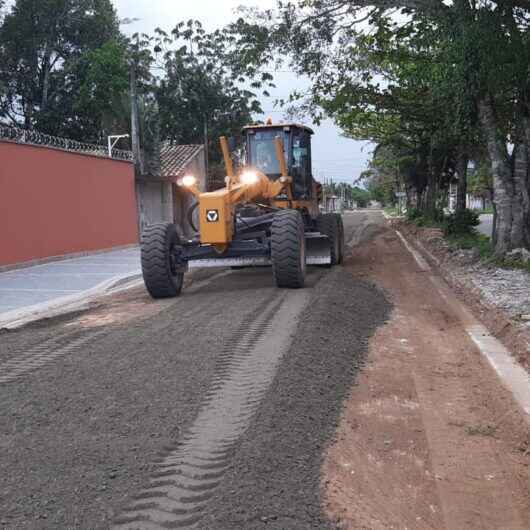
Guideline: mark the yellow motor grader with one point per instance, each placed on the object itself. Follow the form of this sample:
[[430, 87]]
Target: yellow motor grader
[[266, 215]]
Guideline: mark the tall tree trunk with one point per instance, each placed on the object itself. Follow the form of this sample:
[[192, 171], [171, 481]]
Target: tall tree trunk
[[431, 195], [461, 191], [503, 184], [525, 185], [520, 202]]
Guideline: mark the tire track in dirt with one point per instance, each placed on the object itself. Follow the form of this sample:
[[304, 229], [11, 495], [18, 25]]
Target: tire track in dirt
[[189, 473], [45, 352]]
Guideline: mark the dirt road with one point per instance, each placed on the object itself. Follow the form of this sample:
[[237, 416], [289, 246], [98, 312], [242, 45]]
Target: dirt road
[[429, 438], [242, 406]]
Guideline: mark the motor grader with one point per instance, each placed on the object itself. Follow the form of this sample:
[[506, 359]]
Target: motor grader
[[266, 215]]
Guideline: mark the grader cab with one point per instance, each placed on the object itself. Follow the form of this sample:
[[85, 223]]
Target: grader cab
[[266, 215]]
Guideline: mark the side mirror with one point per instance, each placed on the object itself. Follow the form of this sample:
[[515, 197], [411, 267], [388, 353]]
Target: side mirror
[[232, 143]]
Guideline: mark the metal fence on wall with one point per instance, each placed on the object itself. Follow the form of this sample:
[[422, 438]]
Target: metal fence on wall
[[22, 136]]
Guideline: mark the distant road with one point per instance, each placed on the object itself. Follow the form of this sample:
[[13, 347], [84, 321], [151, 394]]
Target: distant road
[[486, 224]]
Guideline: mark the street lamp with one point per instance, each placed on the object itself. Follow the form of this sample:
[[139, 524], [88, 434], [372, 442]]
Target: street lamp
[[113, 140]]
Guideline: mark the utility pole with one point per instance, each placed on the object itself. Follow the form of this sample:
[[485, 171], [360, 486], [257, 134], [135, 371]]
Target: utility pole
[[135, 123], [206, 150], [135, 142]]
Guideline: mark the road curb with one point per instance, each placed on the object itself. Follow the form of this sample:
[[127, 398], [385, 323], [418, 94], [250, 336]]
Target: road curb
[[67, 304]]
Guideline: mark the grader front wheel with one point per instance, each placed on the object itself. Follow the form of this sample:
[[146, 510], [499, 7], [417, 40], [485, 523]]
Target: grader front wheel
[[288, 249], [161, 275]]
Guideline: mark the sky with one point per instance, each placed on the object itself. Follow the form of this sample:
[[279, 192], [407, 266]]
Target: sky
[[334, 156]]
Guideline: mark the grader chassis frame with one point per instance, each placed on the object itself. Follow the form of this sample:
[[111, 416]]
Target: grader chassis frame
[[286, 231]]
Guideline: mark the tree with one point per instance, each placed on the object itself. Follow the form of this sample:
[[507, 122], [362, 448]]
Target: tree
[[102, 102], [199, 90], [438, 77], [481, 182], [43, 45], [360, 196]]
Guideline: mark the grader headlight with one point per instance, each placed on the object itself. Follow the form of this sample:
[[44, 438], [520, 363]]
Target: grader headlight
[[188, 181], [249, 178]]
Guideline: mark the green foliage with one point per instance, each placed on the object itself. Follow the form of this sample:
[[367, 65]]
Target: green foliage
[[434, 219], [412, 83], [470, 240], [462, 222], [413, 214], [392, 211], [191, 89], [480, 181], [200, 87], [43, 46], [65, 70], [361, 196], [102, 103]]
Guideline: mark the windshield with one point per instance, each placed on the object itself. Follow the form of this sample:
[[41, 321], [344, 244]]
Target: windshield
[[263, 151]]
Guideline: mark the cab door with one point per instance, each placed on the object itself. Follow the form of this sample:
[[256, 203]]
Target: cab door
[[301, 164]]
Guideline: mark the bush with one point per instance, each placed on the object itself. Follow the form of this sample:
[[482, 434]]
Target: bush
[[473, 240], [413, 214], [463, 222], [426, 219]]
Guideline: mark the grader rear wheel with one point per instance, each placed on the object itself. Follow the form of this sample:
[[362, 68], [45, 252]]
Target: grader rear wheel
[[161, 276], [342, 243], [288, 249]]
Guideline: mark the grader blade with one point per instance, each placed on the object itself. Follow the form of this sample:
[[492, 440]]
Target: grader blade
[[318, 249], [254, 261]]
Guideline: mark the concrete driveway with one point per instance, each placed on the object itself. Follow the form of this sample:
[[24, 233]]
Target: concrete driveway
[[25, 288]]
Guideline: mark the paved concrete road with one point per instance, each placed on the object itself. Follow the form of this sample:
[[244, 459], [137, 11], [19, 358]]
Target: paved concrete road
[[23, 288], [96, 406], [486, 224]]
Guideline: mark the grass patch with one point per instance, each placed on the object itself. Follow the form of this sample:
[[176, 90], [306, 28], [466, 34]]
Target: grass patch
[[393, 211], [460, 232], [485, 247], [472, 240]]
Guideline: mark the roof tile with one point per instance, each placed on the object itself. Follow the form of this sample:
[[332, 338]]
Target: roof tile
[[175, 158]]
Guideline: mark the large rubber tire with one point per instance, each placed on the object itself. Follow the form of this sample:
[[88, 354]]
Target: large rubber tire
[[288, 253], [342, 243], [161, 278], [328, 224]]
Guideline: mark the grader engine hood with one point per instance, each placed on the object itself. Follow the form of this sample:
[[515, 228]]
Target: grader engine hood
[[216, 218]]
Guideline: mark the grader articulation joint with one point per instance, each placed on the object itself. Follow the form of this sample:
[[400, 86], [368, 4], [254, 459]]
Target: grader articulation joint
[[267, 214]]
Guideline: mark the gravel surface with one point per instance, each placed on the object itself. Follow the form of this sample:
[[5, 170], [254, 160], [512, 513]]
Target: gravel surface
[[504, 288], [274, 480], [80, 435]]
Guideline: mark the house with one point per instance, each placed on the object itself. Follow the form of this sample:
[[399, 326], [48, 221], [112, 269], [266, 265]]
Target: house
[[473, 202], [160, 198]]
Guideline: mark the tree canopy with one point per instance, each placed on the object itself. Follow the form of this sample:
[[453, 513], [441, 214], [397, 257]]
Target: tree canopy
[[65, 70], [434, 82], [44, 46]]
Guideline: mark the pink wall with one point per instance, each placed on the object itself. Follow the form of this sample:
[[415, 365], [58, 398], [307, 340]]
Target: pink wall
[[54, 202]]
